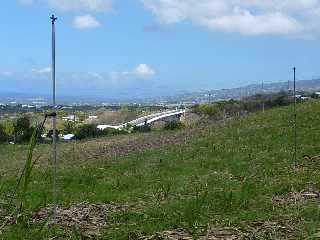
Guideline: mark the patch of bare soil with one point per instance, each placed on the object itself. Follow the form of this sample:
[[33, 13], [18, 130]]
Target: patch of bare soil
[[106, 148], [255, 230], [217, 234], [311, 158], [88, 219], [170, 235], [222, 234], [294, 198], [270, 230]]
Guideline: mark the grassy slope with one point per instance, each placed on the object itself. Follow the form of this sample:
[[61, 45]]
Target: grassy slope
[[227, 178]]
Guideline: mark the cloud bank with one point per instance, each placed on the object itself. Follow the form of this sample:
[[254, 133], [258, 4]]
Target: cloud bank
[[298, 18], [39, 80]]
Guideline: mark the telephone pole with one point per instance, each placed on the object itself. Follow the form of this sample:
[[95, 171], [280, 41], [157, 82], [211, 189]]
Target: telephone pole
[[54, 119]]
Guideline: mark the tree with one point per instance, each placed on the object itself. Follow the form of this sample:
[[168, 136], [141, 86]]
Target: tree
[[22, 125], [68, 127], [22, 129], [9, 129], [86, 131], [3, 135]]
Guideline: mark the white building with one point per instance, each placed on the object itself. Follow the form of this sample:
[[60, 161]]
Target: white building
[[68, 137], [70, 118]]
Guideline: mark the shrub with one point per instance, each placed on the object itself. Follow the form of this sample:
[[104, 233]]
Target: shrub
[[26, 135], [86, 131], [209, 110], [22, 129], [110, 132], [3, 135], [158, 126], [68, 127], [173, 125], [144, 128], [22, 125]]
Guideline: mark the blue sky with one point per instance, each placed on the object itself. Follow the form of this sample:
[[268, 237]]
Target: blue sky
[[156, 47]]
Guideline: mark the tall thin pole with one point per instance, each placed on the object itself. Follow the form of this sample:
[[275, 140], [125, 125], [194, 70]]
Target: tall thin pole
[[262, 96], [295, 114], [74, 138], [54, 120]]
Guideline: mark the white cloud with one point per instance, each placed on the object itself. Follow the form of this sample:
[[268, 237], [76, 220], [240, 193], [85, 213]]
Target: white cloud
[[247, 24], [41, 70], [81, 5], [85, 22], [247, 17], [144, 71]]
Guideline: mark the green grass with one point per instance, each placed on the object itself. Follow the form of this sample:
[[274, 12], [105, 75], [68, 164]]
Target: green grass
[[227, 178]]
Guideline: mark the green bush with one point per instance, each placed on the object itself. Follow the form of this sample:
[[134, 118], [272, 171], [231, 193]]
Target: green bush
[[209, 110], [22, 129], [3, 135], [86, 131], [68, 127], [22, 125], [26, 135], [175, 125], [111, 132], [144, 128]]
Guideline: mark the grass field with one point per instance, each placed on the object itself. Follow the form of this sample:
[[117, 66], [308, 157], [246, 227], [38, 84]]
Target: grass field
[[233, 181]]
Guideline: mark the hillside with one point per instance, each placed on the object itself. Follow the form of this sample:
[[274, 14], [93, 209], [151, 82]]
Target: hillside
[[236, 180], [164, 96], [245, 91]]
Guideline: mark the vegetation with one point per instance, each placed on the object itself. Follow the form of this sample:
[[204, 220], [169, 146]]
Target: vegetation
[[175, 125], [232, 108], [239, 179], [18, 131]]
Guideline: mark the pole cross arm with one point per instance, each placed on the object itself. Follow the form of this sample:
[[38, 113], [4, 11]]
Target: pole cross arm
[[53, 19]]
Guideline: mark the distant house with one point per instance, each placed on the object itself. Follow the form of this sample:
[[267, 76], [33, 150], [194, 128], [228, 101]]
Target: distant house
[[70, 118], [93, 117], [27, 106], [305, 98], [68, 137]]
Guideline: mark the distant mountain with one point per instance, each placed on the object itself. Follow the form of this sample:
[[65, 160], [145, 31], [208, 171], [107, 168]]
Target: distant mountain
[[152, 97], [240, 92]]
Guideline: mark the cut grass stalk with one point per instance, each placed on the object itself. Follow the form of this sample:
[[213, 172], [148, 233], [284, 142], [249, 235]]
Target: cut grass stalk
[[25, 175]]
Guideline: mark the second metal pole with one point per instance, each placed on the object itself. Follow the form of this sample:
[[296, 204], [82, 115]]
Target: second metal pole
[[54, 120], [295, 115]]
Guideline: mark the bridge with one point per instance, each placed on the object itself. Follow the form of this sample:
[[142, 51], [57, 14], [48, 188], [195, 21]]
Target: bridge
[[167, 116]]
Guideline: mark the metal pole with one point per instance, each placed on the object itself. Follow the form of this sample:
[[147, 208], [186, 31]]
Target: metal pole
[[74, 140], [54, 120], [295, 114], [262, 96]]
